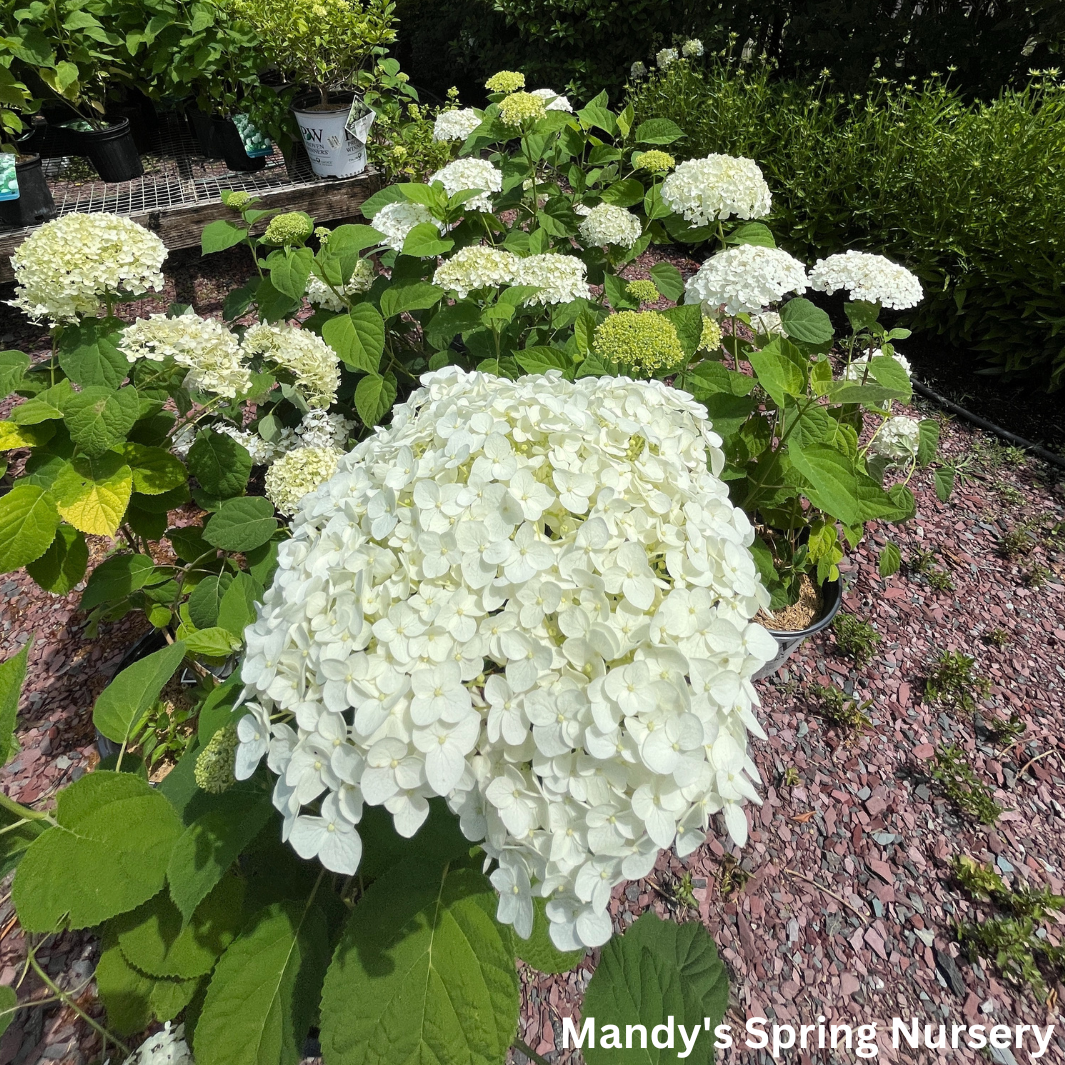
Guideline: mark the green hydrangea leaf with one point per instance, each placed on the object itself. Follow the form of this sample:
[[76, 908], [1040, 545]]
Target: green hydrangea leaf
[[241, 524], [374, 396], [124, 701], [538, 950], [28, 523], [92, 492], [99, 418], [155, 470], [115, 578], [89, 355], [358, 337], [8, 1002], [219, 463], [107, 854], [63, 565], [889, 561], [422, 973], [237, 607], [12, 675], [207, 598]]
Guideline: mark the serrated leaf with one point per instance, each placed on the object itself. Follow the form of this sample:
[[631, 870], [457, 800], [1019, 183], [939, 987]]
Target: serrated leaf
[[776, 373], [21, 826], [8, 1002], [374, 396], [132, 998], [92, 493], [107, 854], [890, 560], [358, 338], [12, 674], [154, 938], [805, 322], [668, 280], [837, 486], [889, 372], [944, 479], [221, 464], [289, 270], [658, 131], [98, 418], [927, 440], [124, 701], [34, 412], [449, 321], [241, 524], [262, 996], [28, 523], [237, 607], [688, 321], [410, 296], [210, 845], [214, 642], [13, 436], [155, 470], [63, 565], [206, 599], [13, 364], [624, 193], [222, 234], [728, 412], [422, 973], [756, 233], [89, 355], [114, 579], [538, 950], [424, 242], [541, 359], [655, 970], [389, 194]]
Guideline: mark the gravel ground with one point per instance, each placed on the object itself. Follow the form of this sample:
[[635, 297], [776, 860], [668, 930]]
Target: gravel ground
[[848, 906]]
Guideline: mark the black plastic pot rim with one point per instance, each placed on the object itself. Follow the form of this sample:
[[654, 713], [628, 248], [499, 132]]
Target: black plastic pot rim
[[832, 596]]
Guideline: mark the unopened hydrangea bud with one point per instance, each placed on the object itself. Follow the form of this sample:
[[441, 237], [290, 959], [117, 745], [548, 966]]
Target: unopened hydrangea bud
[[214, 766], [642, 290], [522, 109], [505, 81], [645, 342], [300, 471], [710, 339], [239, 200], [322, 233], [292, 227], [655, 161]]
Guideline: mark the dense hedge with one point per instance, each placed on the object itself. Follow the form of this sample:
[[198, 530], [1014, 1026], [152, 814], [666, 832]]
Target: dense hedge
[[587, 45], [970, 196]]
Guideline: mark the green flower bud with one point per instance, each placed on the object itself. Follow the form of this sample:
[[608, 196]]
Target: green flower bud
[[292, 227], [643, 342], [657, 162], [644, 291], [505, 81], [711, 335], [214, 766], [522, 109]]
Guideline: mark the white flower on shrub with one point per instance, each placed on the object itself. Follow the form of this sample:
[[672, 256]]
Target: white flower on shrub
[[203, 346], [767, 323], [560, 278], [262, 452], [318, 428], [607, 224], [858, 370], [455, 125], [167, 1047], [474, 267], [395, 220], [637, 71], [745, 278], [555, 101], [304, 354], [534, 599], [692, 49], [470, 174], [72, 265], [321, 295], [898, 440], [867, 277], [665, 58], [717, 187], [298, 472]]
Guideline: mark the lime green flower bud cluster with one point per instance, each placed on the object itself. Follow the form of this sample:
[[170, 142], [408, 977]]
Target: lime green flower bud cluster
[[292, 227], [522, 109], [644, 342], [710, 340], [239, 200], [655, 161], [505, 81], [214, 766], [642, 290]]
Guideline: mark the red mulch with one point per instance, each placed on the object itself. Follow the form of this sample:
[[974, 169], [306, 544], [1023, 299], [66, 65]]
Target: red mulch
[[864, 824]]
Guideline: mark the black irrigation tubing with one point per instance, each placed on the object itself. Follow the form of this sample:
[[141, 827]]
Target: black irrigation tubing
[[983, 423]]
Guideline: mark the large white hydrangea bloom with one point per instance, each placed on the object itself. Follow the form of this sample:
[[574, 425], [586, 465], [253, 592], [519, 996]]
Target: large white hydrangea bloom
[[898, 440], [312, 362], [71, 266], [476, 266], [745, 278], [395, 220], [719, 186], [560, 278], [867, 277], [534, 599], [455, 125], [608, 224], [554, 101], [470, 173]]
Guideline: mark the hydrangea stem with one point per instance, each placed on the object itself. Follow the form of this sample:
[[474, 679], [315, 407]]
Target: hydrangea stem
[[523, 1048]]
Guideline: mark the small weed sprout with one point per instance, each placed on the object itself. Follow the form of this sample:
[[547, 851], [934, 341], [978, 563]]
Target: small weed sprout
[[791, 778], [1037, 576], [940, 580], [1009, 494], [840, 709], [951, 681], [1016, 542], [961, 786], [922, 563], [1002, 731], [685, 892], [733, 876], [855, 638], [998, 638]]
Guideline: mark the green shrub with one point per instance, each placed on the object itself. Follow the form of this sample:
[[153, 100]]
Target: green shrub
[[969, 196]]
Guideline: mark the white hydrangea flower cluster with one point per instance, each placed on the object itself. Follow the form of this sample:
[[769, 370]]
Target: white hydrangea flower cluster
[[72, 265], [665, 58], [767, 323], [534, 599], [317, 429], [560, 278], [898, 440], [395, 220], [867, 277], [167, 1047], [203, 346], [470, 174], [555, 101], [637, 71], [320, 429], [607, 224], [692, 49], [455, 125], [306, 355], [476, 266], [321, 295], [298, 472], [745, 278], [856, 371], [717, 187], [262, 452]]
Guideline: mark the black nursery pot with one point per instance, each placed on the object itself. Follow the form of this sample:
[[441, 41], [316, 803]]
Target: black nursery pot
[[789, 642], [203, 131], [34, 204], [227, 141], [112, 151]]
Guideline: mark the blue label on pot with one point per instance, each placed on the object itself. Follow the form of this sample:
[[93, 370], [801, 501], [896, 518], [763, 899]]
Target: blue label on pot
[[8, 177], [255, 142]]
